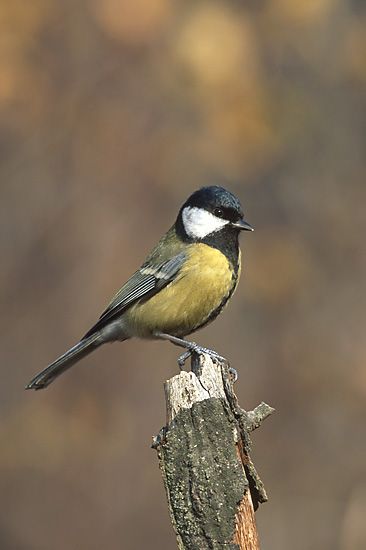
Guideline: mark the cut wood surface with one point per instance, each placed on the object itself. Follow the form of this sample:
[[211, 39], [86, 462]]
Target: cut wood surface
[[211, 484]]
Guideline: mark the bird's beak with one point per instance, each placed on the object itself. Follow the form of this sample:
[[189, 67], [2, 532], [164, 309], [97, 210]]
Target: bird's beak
[[242, 225]]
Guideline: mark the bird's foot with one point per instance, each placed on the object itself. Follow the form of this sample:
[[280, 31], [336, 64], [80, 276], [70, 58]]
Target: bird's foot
[[193, 348], [199, 350], [234, 374]]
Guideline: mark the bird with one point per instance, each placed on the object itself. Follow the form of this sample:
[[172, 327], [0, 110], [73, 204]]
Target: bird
[[183, 284]]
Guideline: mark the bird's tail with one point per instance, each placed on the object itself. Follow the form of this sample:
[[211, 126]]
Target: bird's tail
[[67, 360]]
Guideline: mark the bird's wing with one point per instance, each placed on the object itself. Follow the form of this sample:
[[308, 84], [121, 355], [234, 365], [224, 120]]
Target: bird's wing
[[146, 282]]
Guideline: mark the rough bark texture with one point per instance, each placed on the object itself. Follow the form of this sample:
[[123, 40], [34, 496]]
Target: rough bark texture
[[211, 484]]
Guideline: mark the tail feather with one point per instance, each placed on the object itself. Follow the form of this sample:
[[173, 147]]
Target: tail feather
[[67, 360]]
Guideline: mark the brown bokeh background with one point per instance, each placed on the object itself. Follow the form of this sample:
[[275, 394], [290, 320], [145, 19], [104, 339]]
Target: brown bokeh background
[[112, 112]]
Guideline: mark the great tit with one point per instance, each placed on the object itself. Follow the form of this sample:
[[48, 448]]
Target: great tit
[[182, 286]]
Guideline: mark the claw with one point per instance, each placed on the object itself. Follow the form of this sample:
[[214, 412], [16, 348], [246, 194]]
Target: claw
[[183, 358], [199, 350], [234, 374]]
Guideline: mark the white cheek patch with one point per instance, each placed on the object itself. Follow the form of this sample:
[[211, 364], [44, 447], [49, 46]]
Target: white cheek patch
[[198, 223]]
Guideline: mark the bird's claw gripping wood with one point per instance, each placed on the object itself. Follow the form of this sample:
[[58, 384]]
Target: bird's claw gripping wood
[[234, 374], [191, 348], [199, 350]]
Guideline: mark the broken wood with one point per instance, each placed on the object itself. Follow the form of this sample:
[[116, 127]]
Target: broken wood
[[211, 484]]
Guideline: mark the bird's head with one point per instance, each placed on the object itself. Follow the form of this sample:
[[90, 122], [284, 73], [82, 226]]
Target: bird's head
[[211, 210]]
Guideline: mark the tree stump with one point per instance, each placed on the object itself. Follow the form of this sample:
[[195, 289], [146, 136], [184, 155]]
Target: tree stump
[[211, 484]]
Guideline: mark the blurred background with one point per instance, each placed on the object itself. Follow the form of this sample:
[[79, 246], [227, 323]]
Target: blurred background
[[112, 113]]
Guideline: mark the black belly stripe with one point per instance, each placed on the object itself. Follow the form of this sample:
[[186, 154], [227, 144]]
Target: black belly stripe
[[227, 243], [218, 310]]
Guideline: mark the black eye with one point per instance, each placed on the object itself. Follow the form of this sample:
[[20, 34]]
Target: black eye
[[219, 213]]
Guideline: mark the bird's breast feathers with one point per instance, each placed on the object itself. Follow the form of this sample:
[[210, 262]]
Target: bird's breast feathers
[[202, 286]]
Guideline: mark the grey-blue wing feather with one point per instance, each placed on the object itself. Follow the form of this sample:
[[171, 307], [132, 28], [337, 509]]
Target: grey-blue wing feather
[[146, 282]]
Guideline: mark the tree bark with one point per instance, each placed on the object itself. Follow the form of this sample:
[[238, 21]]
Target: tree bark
[[211, 484]]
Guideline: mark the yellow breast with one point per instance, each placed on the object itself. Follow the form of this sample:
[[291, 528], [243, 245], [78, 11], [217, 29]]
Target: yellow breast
[[203, 283]]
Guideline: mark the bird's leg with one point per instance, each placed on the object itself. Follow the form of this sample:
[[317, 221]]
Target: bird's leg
[[191, 348]]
